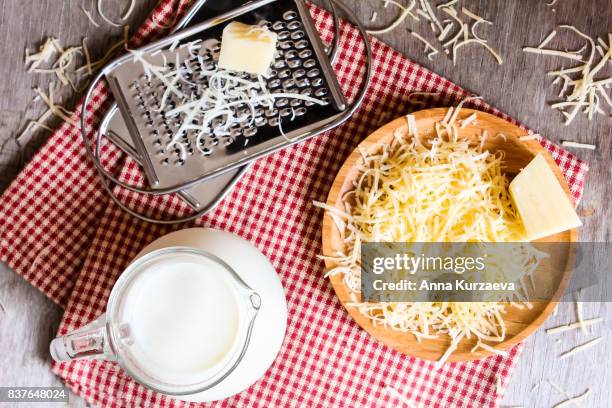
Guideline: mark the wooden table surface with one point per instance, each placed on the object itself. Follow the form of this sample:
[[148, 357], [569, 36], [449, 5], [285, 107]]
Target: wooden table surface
[[519, 87]]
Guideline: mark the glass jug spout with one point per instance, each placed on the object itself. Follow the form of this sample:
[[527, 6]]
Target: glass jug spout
[[89, 342]]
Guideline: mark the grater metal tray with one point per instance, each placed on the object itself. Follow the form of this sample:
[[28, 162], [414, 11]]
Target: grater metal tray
[[130, 128], [204, 196], [300, 66]]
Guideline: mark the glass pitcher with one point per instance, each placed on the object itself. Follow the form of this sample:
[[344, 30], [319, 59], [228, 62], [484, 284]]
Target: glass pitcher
[[115, 337]]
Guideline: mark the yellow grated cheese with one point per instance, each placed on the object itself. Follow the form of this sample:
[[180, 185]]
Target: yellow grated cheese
[[437, 191]]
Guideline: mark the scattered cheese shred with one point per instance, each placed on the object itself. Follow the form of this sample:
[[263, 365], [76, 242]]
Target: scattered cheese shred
[[453, 346], [406, 11], [412, 128], [447, 5], [579, 311], [490, 349], [544, 51], [427, 8], [34, 124], [548, 38], [87, 58], [585, 91], [428, 45], [581, 347], [574, 400], [572, 326], [57, 110], [577, 145], [476, 41], [534, 136], [466, 34], [468, 120], [63, 62], [129, 10], [447, 29], [89, 17], [106, 19], [47, 50], [458, 108]]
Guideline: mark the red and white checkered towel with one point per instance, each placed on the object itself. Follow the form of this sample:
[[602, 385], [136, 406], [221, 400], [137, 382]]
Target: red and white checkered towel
[[61, 232]]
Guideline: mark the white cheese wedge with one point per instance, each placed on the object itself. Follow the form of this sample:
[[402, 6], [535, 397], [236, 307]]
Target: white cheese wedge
[[247, 48], [541, 202]]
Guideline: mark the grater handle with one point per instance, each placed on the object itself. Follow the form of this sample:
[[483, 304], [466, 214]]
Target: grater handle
[[109, 181], [332, 49]]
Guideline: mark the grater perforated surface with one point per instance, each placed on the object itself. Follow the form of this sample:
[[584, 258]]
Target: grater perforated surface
[[182, 146]]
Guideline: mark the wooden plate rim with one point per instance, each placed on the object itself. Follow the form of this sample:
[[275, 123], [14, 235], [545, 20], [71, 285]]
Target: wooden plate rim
[[376, 139]]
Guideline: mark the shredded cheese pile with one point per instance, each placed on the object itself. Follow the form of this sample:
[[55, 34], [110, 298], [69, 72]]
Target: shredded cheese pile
[[584, 86], [452, 32], [444, 190], [72, 66]]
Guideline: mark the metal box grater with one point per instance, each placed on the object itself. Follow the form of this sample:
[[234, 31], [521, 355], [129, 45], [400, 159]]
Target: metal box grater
[[202, 196], [301, 66]]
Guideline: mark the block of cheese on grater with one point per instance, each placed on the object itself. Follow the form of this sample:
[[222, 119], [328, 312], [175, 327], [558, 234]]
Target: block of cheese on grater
[[247, 48]]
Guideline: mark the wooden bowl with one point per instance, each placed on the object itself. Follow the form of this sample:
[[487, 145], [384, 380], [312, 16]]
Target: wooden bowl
[[520, 323]]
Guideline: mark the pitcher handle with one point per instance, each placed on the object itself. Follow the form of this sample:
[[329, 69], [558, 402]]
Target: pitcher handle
[[89, 342]]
